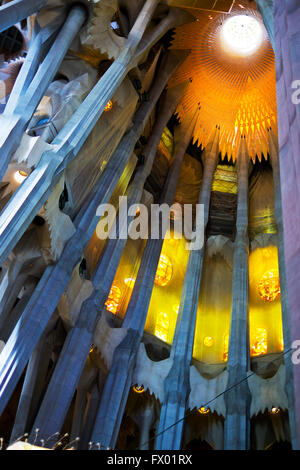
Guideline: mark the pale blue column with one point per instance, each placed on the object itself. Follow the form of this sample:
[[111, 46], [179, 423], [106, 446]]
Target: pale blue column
[[117, 386], [17, 10], [177, 383], [237, 422]]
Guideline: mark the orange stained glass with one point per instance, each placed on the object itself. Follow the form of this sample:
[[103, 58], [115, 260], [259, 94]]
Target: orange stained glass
[[164, 271], [260, 346], [109, 106], [113, 302], [269, 286]]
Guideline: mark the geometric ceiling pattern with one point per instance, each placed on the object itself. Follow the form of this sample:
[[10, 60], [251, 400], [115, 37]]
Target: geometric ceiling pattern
[[236, 92]]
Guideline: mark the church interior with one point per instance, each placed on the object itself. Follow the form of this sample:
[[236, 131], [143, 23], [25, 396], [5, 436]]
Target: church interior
[[142, 344]]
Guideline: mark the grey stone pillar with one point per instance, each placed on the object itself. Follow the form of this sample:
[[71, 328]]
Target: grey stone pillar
[[289, 388], [145, 424], [266, 8], [237, 423], [34, 373], [17, 10], [177, 383], [117, 386]]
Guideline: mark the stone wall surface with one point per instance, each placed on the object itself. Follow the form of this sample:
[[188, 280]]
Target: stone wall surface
[[287, 49]]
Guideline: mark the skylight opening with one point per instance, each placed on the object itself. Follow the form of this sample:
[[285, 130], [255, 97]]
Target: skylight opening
[[242, 35]]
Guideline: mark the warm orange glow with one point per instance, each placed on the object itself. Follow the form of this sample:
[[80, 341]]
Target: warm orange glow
[[204, 410], [164, 271], [130, 282], [226, 348], [260, 346], [109, 106], [138, 389], [113, 302], [265, 316], [281, 344], [269, 286], [20, 176], [236, 92], [275, 410]]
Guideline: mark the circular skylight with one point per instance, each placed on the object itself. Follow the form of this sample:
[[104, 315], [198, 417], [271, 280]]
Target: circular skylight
[[242, 35]]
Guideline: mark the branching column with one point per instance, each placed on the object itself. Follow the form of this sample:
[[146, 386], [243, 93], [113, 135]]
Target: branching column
[[237, 423], [119, 380], [17, 10], [177, 383]]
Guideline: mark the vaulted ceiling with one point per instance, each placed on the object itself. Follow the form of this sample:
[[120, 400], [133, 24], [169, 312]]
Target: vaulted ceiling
[[236, 92]]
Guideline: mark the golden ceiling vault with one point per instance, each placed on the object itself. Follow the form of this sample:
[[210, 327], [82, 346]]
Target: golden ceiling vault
[[234, 90]]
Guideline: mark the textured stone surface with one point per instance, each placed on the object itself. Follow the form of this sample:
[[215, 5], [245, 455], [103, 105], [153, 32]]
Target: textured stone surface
[[287, 20]]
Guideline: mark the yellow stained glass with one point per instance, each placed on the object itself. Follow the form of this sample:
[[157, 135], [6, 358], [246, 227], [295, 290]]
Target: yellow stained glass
[[162, 326], [164, 272], [260, 346]]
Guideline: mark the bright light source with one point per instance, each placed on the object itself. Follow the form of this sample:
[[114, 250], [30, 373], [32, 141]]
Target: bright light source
[[20, 176], [242, 35]]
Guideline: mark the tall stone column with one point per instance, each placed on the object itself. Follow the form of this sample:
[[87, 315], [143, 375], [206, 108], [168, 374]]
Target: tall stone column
[[274, 156], [17, 10], [56, 278], [36, 371], [177, 383], [117, 386], [266, 8], [287, 37], [237, 423]]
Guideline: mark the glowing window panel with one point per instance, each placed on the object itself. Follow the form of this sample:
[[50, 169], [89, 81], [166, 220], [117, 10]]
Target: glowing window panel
[[260, 346], [139, 389], [162, 326], [226, 348], [242, 35], [204, 410], [269, 286], [113, 302], [164, 272]]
